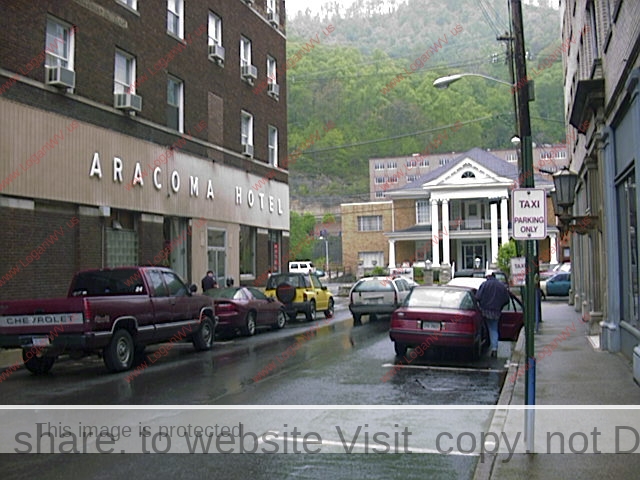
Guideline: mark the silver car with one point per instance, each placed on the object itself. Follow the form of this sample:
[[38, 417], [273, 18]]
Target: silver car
[[375, 296]]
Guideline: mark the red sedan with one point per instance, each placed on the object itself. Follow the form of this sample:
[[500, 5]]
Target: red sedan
[[244, 309], [448, 316]]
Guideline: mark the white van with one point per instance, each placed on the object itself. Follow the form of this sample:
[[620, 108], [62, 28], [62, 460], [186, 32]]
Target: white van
[[302, 266]]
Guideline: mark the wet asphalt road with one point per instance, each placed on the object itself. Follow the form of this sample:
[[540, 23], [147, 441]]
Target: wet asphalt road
[[337, 365]]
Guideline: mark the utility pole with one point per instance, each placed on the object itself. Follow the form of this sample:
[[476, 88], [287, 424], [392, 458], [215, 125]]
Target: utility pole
[[531, 246]]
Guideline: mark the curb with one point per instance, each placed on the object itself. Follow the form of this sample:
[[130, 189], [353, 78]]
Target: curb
[[484, 469]]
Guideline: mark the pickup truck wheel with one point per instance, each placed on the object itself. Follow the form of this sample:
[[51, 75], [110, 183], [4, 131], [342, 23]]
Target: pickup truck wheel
[[250, 325], [37, 365], [118, 355], [203, 338], [281, 321], [328, 313], [311, 312]]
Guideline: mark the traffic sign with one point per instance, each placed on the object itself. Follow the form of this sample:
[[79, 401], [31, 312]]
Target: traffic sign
[[529, 207]]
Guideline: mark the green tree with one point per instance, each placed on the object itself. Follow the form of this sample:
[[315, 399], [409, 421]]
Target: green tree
[[505, 253], [301, 238]]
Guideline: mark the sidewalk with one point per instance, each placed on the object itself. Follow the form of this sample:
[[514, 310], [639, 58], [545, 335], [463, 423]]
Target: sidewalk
[[576, 372]]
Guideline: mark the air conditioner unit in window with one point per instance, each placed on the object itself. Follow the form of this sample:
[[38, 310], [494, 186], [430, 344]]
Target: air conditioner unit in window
[[273, 90], [127, 101], [249, 73], [247, 150], [216, 53], [274, 19], [61, 77]]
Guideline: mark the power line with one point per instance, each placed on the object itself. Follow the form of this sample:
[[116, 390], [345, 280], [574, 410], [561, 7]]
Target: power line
[[404, 135]]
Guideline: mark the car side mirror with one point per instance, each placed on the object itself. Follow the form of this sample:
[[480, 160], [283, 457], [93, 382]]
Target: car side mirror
[[193, 288]]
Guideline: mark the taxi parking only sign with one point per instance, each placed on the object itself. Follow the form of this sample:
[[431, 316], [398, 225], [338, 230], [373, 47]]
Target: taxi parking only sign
[[529, 206]]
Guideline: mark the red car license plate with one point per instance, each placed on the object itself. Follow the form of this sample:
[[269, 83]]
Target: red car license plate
[[430, 325]]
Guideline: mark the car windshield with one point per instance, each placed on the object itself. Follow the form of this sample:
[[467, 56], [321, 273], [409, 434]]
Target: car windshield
[[439, 298], [374, 285]]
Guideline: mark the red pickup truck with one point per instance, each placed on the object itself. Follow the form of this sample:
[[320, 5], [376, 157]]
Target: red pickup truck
[[112, 312]]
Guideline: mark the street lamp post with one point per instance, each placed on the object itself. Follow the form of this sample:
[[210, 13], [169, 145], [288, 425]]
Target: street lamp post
[[326, 251], [526, 180], [531, 246]]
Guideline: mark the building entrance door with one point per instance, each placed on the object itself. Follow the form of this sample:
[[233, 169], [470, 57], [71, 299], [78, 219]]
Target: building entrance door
[[473, 250]]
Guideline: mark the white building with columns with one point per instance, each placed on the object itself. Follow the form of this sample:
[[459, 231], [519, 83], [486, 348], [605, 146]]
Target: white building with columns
[[450, 216]]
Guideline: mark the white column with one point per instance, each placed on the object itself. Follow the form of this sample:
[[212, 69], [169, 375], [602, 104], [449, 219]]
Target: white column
[[435, 237], [504, 220], [553, 247], [445, 233], [392, 254], [494, 232]]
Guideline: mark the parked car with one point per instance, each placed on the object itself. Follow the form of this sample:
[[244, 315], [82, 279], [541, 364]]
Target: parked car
[[113, 312], [244, 309], [559, 268], [470, 272], [300, 292], [449, 316], [302, 266], [557, 285], [375, 296]]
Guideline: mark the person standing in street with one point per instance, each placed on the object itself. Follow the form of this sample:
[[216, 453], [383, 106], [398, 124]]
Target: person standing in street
[[492, 297], [209, 282]]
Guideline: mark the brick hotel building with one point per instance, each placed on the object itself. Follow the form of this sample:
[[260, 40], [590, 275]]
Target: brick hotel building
[[139, 119]]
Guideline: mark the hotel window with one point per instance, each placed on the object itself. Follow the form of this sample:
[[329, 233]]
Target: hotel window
[[379, 180], [273, 146], [380, 194], [216, 253], [423, 212], [412, 178], [247, 252], [411, 163], [443, 161], [424, 163], [245, 52], [271, 7], [561, 154], [370, 223], [175, 17], [392, 165], [393, 179], [379, 166], [215, 29], [124, 74], [175, 104], [59, 44], [132, 4], [246, 129], [271, 70], [512, 157]]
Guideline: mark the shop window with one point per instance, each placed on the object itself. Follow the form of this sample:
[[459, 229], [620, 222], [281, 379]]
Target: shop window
[[247, 252]]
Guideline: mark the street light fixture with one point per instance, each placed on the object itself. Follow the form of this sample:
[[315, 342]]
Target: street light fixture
[[563, 198], [444, 82]]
